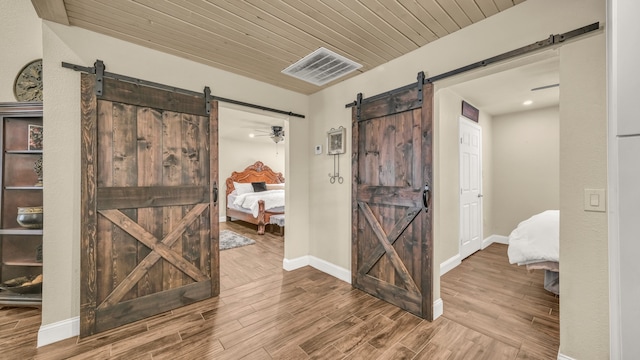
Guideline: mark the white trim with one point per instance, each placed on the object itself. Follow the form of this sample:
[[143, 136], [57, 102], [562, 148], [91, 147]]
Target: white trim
[[450, 264], [223, 218], [495, 239], [438, 308], [317, 263], [331, 269], [614, 23], [293, 264], [564, 357], [57, 331]]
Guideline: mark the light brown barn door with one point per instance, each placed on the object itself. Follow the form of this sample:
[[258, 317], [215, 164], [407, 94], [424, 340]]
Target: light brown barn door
[[392, 247], [149, 203]]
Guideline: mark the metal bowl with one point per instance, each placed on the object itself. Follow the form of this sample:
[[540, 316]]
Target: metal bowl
[[30, 217]]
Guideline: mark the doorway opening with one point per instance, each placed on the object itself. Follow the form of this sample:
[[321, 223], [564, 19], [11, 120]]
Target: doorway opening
[[520, 178], [246, 136]]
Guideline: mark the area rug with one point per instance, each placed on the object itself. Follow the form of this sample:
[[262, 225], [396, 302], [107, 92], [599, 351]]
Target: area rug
[[230, 240]]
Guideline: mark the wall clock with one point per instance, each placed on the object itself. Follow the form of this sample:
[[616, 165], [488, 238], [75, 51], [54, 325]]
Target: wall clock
[[28, 84]]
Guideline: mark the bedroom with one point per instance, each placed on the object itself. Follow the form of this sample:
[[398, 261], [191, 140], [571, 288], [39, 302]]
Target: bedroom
[[246, 136], [313, 172]]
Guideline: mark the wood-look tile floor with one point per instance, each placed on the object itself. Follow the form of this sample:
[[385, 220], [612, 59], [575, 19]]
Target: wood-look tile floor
[[492, 310]]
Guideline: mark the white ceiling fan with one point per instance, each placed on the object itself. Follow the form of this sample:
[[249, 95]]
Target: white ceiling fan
[[276, 134]]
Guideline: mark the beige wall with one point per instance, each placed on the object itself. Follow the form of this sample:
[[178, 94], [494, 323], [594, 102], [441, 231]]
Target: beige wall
[[20, 42], [488, 204], [62, 158], [526, 155], [518, 26], [331, 203], [584, 279]]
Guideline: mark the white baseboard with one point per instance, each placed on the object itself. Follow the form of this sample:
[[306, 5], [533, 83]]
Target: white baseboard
[[322, 265], [223, 219], [450, 264], [564, 357], [438, 308], [495, 239], [57, 331], [331, 269], [297, 263]]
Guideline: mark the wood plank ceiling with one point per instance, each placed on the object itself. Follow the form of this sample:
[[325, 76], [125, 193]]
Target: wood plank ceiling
[[260, 38]]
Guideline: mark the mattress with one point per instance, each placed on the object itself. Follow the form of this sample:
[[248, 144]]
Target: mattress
[[230, 205]]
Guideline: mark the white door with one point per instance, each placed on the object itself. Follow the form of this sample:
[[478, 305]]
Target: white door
[[470, 187]]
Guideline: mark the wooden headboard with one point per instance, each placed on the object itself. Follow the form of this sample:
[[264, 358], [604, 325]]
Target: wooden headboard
[[254, 173]]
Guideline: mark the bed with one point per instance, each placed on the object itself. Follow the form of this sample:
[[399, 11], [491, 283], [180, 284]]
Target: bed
[[535, 244], [255, 195]]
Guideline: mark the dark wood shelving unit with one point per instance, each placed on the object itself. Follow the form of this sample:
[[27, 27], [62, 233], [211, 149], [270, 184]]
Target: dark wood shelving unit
[[20, 248]]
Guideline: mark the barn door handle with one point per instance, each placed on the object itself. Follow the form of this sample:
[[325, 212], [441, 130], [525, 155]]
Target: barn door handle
[[215, 193], [426, 196]]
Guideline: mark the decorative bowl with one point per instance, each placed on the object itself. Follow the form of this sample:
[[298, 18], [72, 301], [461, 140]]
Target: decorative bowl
[[30, 217], [23, 285]]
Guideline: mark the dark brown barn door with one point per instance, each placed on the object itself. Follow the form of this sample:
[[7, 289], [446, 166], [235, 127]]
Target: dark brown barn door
[[149, 203], [392, 251]]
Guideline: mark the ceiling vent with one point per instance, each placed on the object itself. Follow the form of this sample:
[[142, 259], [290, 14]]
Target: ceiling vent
[[321, 67]]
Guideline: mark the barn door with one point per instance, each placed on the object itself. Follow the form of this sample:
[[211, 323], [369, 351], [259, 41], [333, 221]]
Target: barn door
[[149, 203], [392, 251]]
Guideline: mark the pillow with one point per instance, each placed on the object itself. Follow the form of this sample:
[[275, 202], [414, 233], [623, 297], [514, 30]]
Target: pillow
[[243, 188], [259, 186], [275, 186]]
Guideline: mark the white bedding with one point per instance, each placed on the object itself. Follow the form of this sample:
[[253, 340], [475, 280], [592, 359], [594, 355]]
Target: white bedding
[[536, 239], [272, 199]]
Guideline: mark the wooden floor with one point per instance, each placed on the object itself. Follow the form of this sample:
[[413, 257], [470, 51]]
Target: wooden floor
[[492, 311]]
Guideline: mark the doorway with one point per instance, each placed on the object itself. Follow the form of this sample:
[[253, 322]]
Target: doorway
[[243, 140]]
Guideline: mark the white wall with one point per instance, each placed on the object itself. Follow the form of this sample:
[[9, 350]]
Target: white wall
[[526, 156], [62, 158], [584, 277], [20, 42]]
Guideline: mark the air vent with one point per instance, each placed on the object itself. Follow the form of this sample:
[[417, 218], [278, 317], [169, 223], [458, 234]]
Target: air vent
[[321, 67]]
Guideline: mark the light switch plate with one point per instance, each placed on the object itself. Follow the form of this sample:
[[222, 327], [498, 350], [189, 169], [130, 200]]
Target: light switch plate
[[318, 149], [595, 200]]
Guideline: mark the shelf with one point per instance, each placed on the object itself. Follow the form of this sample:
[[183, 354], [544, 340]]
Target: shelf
[[19, 231], [23, 151], [9, 298], [23, 187], [20, 247], [22, 262]]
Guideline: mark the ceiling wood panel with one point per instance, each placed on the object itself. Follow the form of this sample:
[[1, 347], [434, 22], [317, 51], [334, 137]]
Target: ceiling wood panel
[[489, 8], [424, 17], [471, 9], [258, 39], [455, 12], [441, 16]]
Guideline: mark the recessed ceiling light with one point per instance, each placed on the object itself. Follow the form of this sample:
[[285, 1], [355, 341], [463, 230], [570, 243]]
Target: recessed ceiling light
[[527, 103], [252, 135]]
